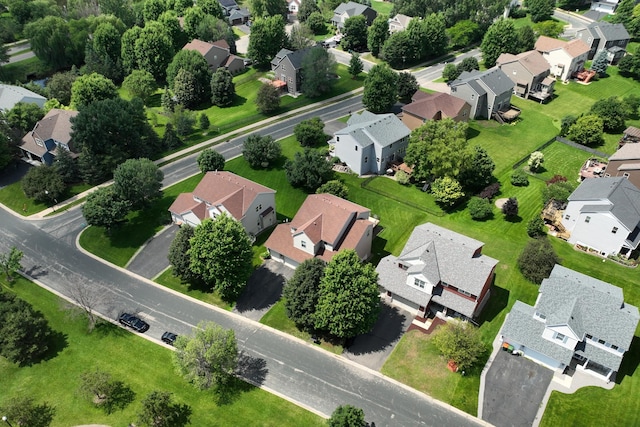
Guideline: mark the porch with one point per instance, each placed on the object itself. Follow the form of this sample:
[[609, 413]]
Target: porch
[[592, 168]]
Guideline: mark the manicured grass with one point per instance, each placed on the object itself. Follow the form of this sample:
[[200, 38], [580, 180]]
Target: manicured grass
[[142, 365], [14, 198], [382, 7], [561, 159], [172, 282]]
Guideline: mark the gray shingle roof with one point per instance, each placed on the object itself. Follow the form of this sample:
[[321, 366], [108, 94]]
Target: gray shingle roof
[[380, 129], [493, 79], [351, 8], [608, 31], [10, 95], [296, 57]]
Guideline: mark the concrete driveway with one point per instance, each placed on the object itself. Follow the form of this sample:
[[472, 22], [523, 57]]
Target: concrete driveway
[[151, 259], [263, 290], [514, 389]]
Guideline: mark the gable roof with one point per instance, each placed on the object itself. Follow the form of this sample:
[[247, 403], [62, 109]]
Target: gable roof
[[296, 57], [608, 31], [401, 19], [531, 60], [10, 95], [54, 126], [427, 105], [379, 129], [199, 46], [493, 79], [228, 3], [573, 48], [350, 8], [630, 151]]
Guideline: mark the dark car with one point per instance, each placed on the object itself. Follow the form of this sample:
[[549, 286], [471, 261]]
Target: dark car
[[169, 337], [133, 322]]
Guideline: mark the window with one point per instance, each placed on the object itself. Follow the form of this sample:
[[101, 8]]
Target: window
[[419, 283], [614, 230], [560, 337], [601, 342], [337, 139], [587, 219], [356, 147], [303, 244], [402, 266], [567, 216], [540, 315], [626, 175], [589, 336], [377, 159], [614, 347], [465, 293], [366, 159], [445, 285]]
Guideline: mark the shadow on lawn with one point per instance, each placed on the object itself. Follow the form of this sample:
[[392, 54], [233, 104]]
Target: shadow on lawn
[[388, 329], [630, 361], [497, 303]]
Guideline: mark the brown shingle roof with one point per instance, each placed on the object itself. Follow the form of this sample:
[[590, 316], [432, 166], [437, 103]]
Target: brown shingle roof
[[632, 131], [574, 47], [56, 126], [199, 46], [629, 151], [222, 43], [185, 203], [428, 105], [531, 60]]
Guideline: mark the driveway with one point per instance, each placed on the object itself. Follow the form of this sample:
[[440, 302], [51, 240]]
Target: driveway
[[263, 290], [514, 390], [152, 259]]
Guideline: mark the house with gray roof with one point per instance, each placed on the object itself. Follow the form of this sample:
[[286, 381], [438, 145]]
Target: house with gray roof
[[348, 10], [613, 38], [488, 92], [371, 141], [287, 67], [438, 271], [603, 214], [577, 321], [49, 135], [10, 95]]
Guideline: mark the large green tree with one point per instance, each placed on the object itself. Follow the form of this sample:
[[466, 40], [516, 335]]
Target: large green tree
[[223, 90], [537, 259], [587, 130], [308, 169], [407, 86], [104, 208], [463, 33], [141, 84], [179, 254], [91, 88], [355, 65], [447, 191], [267, 37], [24, 411], [103, 51], [268, 98], [501, 37], [612, 111], [377, 34], [347, 416], [380, 89], [49, 40], [10, 263], [540, 10], [159, 409], [460, 342], [266, 8], [138, 181], [59, 86], [397, 51], [260, 151], [300, 37], [221, 254], [355, 34], [318, 72], [210, 160], [43, 184], [24, 116], [150, 49], [301, 293], [477, 173], [307, 7], [310, 132]]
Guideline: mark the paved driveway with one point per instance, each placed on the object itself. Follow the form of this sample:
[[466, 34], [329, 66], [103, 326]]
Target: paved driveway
[[263, 290], [514, 389], [152, 258]]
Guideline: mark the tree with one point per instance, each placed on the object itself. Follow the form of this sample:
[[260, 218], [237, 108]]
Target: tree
[[377, 34], [103, 208], [183, 120], [91, 88], [260, 151], [407, 86], [137, 181], [600, 63], [536, 227], [624, 12], [268, 98], [102, 52], [153, 49], [103, 391], [463, 34], [308, 169], [446, 191], [551, 29], [210, 160], [300, 37], [450, 72], [565, 123], [316, 23], [318, 72], [24, 116], [301, 293], [140, 83], [152, 9], [632, 104], [211, 7], [540, 10], [477, 173], [558, 191], [192, 17], [66, 166], [267, 37], [397, 49], [510, 207], [269, 8], [43, 184], [170, 139], [526, 38], [59, 86], [349, 301], [347, 416], [501, 37], [355, 65], [460, 342], [519, 178], [87, 298], [49, 40], [587, 130], [160, 410], [380, 89], [468, 64], [612, 111], [335, 187], [310, 132], [169, 20], [307, 7], [435, 31], [179, 254], [203, 121], [195, 64], [536, 160], [221, 254], [537, 260], [209, 357], [480, 209], [24, 412], [185, 89], [10, 263], [355, 34]]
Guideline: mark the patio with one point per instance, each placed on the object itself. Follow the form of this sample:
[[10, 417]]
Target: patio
[[592, 168]]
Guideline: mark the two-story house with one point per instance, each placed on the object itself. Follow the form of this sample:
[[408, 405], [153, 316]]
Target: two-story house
[[434, 106], [576, 321], [564, 58], [287, 66], [348, 10], [440, 271], [371, 141], [323, 226], [604, 214], [612, 38], [488, 92], [52, 133], [218, 54], [252, 204], [625, 163], [10, 95], [529, 72], [399, 22]]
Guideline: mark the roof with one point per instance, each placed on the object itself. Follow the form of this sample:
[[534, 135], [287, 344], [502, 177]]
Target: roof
[[351, 9], [630, 151], [493, 79], [622, 195], [608, 31], [239, 14], [296, 57], [10, 95], [379, 129], [54, 126], [186, 203], [228, 3], [531, 60], [574, 48], [199, 46], [222, 43], [401, 19], [428, 105]]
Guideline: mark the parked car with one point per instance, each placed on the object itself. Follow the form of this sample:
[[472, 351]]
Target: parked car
[[169, 337], [133, 322]]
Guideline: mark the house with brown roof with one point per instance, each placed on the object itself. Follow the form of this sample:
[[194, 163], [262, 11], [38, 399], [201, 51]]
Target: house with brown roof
[[252, 204], [529, 72], [630, 135], [323, 226], [434, 106], [625, 163], [52, 133], [218, 54], [564, 58]]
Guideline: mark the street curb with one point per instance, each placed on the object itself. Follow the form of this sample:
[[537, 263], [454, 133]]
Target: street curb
[[144, 245]]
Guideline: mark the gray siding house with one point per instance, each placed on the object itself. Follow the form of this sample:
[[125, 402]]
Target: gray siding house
[[371, 141], [287, 66], [487, 92], [577, 321], [613, 38], [49, 135]]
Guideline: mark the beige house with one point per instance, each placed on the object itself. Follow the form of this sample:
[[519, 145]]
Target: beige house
[[434, 106], [564, 58], [218, 54], [529, 72], [399, 22], [625, 163]]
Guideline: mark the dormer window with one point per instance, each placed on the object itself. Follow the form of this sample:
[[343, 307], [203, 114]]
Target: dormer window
[[419, 283], [560, 337], [402, 266], [540, 315]]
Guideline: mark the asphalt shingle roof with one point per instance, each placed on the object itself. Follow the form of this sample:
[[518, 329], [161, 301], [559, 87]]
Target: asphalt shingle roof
[[493, 79], [10, 95], [380, 129]]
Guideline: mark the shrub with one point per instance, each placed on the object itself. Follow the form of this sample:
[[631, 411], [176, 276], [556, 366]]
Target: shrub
[[402, 177], [447, 191], [519, 178], [556, 178], [535, 161], [510, 207], [535, 227], [490, 191], [537, 260], [480, 208]]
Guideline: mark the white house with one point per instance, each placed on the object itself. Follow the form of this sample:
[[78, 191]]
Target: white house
[[604, 214], [10, 95], [252, 204], [371, 141], [399, 22], [577, 321], [564, 58]]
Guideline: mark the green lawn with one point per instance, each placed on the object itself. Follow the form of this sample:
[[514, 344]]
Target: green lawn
[[14, 198], [172, 282], [142, 365], [382, 7]]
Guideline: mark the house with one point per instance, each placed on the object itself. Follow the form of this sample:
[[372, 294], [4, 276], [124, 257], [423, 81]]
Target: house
[[345, 11], [52, 133], [434, 106], [399, 22], [577, 321], [286, 67], [239, 16], [488, 92], [323, 226], [218, 54], [228, 6], [612, 38], [10, 95], [371, 141], [293, 6], [625, 163], [630, 135], [252, 204], [438, 271], [564, 58], [529, 72], [604, 6], [604, 214]]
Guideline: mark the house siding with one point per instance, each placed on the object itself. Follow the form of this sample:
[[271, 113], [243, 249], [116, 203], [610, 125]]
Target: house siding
[[478, 108], [634, 175], [597, 233], [252, 220]]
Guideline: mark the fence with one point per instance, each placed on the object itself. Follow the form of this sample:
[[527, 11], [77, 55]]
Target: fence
[[563, 141]]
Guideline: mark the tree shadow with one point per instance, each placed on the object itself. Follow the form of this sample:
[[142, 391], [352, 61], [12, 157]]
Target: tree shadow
[[472, 133], [36, 272], [237, 101], [120, 396], [106, 329], [58, 341], [387, 329], [252, 369], [154, 100], [514, 219], [630, 361], [264, 288], [181, 414]]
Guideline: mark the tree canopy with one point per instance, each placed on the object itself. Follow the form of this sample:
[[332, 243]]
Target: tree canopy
[[318, 72], [587, 130], [308, 169], [210, 160], [377, 34], [540, 10], [537, 259], [380, 89], [104, 208], [91, 88], [310, 132], [612, 111], [301, 293], [24, 411], [460, 342], [159, 409], [138, 181], [347, 416], [140, 83], [43, 184], [268, 98], [260, 151], [501, 37], [355, 34], [267, 37], [223, 90]]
